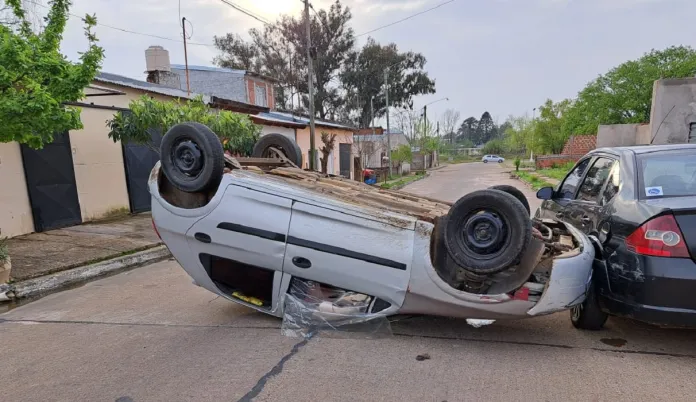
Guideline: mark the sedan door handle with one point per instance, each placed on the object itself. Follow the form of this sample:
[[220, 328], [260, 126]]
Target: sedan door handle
[[301, 262]]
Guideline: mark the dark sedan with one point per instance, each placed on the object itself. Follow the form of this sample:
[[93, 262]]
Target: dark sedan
[[639, 206]]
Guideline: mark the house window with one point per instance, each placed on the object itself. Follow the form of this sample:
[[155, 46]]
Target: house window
[[260, 95]]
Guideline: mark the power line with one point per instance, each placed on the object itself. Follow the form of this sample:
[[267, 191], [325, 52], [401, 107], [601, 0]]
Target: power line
[[404, 19], [127, 30], [245, 11]]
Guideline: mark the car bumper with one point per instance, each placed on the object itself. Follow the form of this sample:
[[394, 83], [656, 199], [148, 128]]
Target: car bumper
[[662, 316], [655, 290]]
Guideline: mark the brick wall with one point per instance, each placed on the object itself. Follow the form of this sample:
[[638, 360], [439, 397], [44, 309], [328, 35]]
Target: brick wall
[[251, 91], [547, 161], [575, 148], [579, 145]]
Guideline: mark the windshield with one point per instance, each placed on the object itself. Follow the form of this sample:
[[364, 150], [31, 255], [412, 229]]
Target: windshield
[[668, 174]]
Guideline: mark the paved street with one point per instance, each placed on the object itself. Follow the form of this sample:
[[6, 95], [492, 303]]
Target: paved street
[[150, 335], [454, 181]]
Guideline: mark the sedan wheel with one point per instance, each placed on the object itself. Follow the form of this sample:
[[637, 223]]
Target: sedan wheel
[[588, 315]]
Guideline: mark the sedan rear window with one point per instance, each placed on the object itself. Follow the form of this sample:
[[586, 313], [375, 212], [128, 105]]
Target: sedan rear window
[[667, 174]]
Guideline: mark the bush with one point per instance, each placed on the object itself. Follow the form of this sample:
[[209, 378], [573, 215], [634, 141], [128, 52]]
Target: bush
[[237, 132], [402, 154], [518, 162], [4, 251], [494, 147]]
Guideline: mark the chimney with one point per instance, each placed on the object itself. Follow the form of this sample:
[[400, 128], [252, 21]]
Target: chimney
[[157, 59], [159, 71]]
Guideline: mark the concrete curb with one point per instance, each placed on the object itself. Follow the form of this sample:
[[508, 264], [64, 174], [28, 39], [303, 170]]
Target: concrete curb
[[63, 279]]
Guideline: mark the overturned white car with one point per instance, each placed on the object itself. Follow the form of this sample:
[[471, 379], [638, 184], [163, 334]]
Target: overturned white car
[[277, 238]]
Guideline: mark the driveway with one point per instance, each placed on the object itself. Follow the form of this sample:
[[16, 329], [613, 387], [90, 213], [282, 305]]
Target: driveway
[[151, 335]]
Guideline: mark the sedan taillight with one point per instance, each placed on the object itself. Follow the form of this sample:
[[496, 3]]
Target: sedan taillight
[[659, 237]]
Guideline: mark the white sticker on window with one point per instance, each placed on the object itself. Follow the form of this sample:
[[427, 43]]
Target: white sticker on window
[[653, 191]]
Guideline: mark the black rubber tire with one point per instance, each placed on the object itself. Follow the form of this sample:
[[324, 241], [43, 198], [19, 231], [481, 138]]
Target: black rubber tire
[[588, 315], [515, 192], [485, 161], [515, 231], [500, 161], [212, 157], [283, 143]]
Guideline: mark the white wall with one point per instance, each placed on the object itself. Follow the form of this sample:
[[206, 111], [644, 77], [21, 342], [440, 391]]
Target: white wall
[[288, 132], [15, 210]]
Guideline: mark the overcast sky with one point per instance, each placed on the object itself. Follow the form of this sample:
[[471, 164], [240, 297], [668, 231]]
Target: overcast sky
[[504, 56]]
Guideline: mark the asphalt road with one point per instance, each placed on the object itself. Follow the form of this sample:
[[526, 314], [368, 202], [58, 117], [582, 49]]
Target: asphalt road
[[150, 335]]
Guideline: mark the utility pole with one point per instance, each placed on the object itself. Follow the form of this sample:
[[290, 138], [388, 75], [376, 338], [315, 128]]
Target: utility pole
[[372, 115], [310, 78], [531, 155], [188, 87], [425, 121], [386, 91]]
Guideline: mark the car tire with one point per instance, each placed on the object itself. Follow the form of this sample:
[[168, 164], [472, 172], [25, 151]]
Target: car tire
[[192, 157], [515, 192], [500, 161], [485, 161], [588, 315], [281, 142], [487, 231]]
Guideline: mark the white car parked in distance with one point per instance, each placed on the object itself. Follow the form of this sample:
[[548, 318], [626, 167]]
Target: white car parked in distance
[[492, 158]]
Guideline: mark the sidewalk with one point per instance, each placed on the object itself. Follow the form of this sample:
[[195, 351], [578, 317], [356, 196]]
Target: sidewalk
[[40, 254]]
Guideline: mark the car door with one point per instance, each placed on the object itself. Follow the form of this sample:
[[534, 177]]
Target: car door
[[584, 211], [245, 233], [555, 208], [349, 251]]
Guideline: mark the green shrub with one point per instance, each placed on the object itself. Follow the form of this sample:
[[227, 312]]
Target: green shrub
[[494, 147], [4, 251], [518, 162]]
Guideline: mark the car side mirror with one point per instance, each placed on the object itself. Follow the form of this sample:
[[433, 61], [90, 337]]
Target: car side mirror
[[545, 193]]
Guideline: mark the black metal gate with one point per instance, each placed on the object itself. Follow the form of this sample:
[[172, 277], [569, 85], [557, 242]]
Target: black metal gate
[[50, 177], [139, 161], [344, 159]]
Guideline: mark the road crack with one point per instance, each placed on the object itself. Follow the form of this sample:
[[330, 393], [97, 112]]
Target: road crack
[[277, 369]]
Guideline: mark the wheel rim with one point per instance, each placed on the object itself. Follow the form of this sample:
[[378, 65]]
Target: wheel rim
[[575, 312], [188, 158], [484, 233]]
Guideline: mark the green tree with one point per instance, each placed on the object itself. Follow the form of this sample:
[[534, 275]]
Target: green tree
[[280, 50], [486, 129], [550, 135], [468, 129], [402, 154], [237, 132], [496, 146], [36, 80], [624, 93], [363, 79], [519, 134]]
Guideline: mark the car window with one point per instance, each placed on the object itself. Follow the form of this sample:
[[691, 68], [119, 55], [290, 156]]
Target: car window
[[668, 174], [595, 179], [571, 182], [612, 185]]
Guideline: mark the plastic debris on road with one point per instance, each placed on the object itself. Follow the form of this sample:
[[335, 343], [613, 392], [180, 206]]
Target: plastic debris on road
[[313, 309], [476, 323]]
